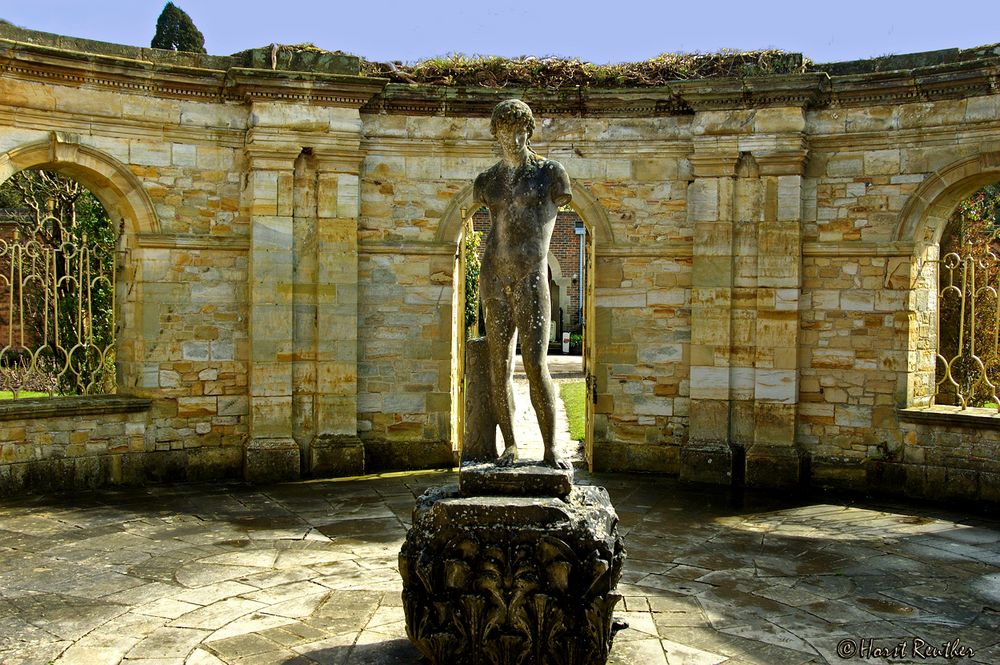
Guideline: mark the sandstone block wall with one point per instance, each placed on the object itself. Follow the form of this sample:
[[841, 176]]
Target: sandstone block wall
[[761, 279]]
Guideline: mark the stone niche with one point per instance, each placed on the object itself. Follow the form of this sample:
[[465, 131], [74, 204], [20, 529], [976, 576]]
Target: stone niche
[[502, 571]]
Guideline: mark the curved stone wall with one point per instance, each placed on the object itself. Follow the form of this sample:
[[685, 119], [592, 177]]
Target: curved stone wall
[[761, 294]]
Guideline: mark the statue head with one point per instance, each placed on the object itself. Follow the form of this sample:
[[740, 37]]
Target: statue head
[[512, 113]]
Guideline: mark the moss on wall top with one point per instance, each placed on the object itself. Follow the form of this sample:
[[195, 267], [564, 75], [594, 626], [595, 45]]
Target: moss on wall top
[[552, 72], [527, 72]]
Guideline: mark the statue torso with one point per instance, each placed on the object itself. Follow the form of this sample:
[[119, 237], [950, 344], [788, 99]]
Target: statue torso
[[523, 204]]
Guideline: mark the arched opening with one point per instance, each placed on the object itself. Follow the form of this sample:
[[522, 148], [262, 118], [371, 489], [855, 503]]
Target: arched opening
[[938, 283], [967, 369], [584, 224], [129, 212], [57, 288]]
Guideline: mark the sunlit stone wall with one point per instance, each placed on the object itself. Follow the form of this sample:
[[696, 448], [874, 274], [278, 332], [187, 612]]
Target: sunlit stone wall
[[761, 302]]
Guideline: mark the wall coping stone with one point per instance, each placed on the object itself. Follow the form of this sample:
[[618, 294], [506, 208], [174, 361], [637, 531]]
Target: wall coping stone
[[282, 58], [940, 414], [31, 408]]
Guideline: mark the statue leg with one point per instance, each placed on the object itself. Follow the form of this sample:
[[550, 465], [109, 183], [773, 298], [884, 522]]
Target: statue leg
[[500, 341], [533, 306]]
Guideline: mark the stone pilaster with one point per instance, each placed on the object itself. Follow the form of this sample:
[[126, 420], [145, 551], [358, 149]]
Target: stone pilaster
[[773, 459], [272, 453], [336, 450], [707, 456]]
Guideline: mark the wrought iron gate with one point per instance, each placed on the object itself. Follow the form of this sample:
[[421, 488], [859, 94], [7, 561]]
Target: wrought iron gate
[[57, 320]]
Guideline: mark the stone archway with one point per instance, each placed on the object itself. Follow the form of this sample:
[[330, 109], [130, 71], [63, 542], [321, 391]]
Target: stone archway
[[127, 205], [118, 190], [586, 205], [923, 221]]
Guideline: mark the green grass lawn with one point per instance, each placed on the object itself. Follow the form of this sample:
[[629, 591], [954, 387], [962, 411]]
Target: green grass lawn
[[573, 393], [6, 394]]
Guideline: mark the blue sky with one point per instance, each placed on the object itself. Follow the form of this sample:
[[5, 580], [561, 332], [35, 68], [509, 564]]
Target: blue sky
[[601, 32]]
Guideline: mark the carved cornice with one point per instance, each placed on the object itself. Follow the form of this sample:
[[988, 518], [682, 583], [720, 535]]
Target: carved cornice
[[727, 94], [157, 79], [51, 65], [400, 99], [300, 87], [218, 79], [968, 79]]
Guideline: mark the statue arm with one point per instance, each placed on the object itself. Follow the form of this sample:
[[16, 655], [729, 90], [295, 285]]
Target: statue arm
[[477, 193], [560, 190]]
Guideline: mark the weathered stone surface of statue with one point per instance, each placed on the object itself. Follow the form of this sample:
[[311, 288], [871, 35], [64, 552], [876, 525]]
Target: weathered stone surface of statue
[[523, 193], [516, 565]]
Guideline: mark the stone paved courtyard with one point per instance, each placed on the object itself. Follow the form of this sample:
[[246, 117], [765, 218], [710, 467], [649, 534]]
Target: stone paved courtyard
[[306, 573]]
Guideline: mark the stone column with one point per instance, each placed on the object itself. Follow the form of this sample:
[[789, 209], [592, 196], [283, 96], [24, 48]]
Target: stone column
[[336, 450], [272, 453], [707, 456], [773, 460]]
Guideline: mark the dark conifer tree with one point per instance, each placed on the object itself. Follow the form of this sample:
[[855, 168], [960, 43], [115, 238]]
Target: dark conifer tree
[[175, 31]]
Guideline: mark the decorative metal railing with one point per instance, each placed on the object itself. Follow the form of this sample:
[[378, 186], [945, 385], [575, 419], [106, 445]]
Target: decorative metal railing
[[968, 366], [57, 294]]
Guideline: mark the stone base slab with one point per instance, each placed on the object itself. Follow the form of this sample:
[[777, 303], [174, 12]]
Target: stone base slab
[[407, 455], [643, 458], [519, 479], [707, 465], [773, 467], [332, 456], [271, 460], [527, 580]]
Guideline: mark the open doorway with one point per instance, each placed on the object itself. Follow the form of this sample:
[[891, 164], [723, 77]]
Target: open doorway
[[571, 294]]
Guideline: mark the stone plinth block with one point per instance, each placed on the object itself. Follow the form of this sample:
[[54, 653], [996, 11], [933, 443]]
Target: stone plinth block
[[519, 479], [332, 455], [271, 460], [511, 579]]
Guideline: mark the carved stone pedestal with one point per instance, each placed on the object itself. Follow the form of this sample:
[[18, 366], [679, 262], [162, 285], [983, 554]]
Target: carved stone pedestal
[[511, 580]]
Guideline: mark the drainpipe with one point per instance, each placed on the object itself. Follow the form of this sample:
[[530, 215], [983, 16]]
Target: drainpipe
[[581, 231]]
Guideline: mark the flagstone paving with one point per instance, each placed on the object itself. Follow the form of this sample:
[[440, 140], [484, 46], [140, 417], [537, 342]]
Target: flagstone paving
[[306, 573]]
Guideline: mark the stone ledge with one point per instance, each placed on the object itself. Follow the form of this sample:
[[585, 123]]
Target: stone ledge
[[951, 415], [521, 479], [60, 407]]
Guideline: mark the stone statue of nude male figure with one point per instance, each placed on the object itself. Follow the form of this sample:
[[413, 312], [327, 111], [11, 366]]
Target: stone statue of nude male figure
[[523, 193]]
